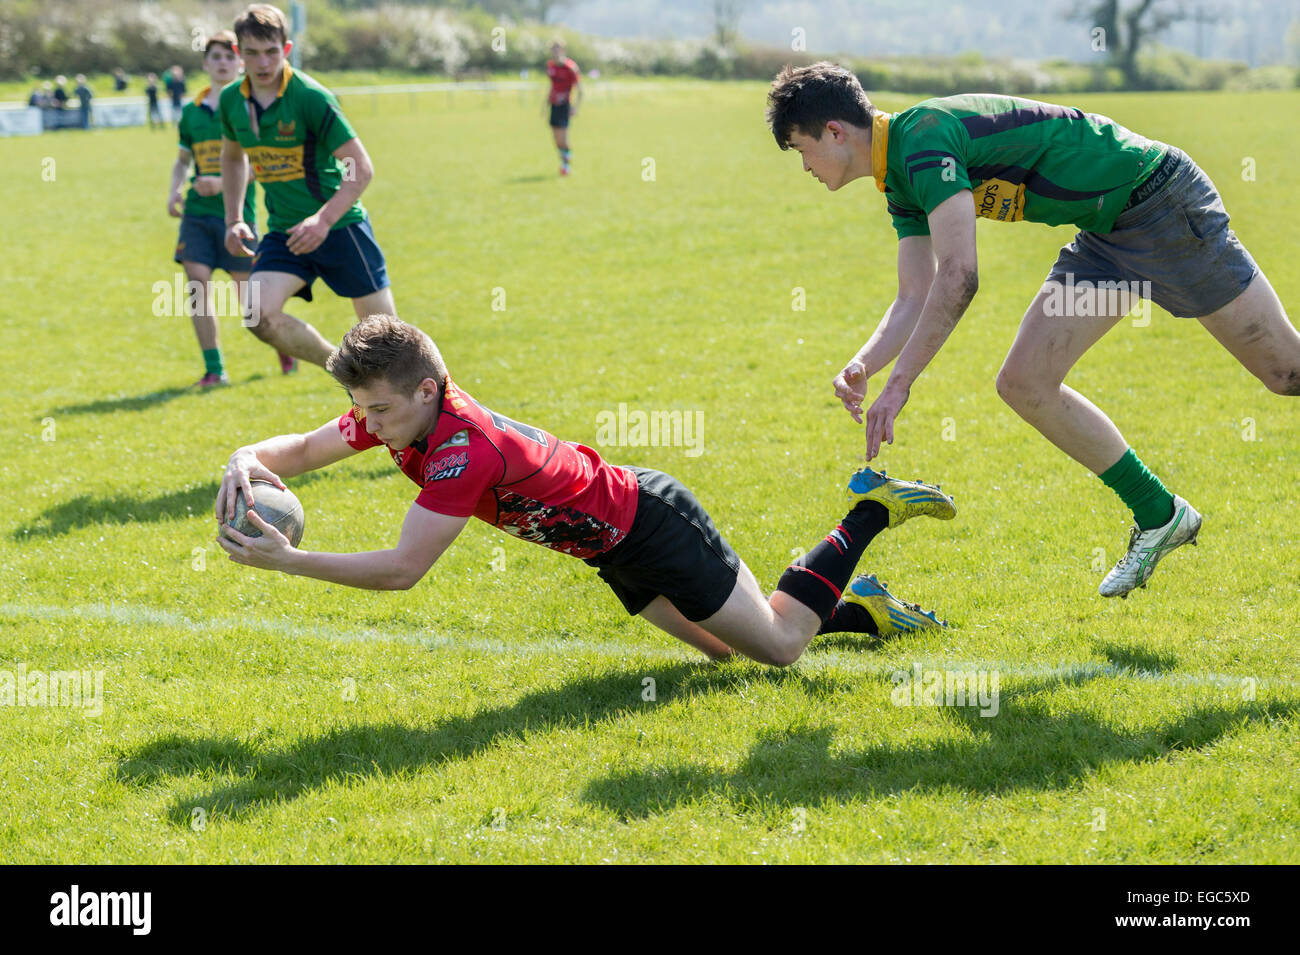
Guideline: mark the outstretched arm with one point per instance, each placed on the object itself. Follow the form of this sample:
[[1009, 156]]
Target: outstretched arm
[[915, 275], [287, 455], [952, 234], [425, 535]]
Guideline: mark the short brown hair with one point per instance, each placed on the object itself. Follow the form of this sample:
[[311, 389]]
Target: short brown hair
[[806, 98], [383, 346], [261, 21], [221, 38]]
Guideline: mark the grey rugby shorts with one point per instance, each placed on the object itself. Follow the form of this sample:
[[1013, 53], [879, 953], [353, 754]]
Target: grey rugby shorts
[[1177, 239]]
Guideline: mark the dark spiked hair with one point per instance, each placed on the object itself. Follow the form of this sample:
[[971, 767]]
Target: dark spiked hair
[[806, 98]]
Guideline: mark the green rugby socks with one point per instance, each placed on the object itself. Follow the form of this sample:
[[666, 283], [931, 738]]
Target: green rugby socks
[[212, 361], [1140, 490]]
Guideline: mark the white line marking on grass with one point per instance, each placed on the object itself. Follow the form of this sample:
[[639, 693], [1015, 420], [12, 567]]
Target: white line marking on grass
[[149, 616], [1068, 671], [1064, 672]]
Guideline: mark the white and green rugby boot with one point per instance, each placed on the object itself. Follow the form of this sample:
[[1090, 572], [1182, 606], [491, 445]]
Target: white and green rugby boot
[[1145, 548], [903, 499], [892, 616]]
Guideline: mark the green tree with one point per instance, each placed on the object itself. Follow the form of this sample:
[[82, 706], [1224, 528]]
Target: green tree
[[1127, 25], [726, 22]]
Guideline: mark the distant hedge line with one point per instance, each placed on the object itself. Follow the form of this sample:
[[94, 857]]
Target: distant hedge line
[[97, 36]]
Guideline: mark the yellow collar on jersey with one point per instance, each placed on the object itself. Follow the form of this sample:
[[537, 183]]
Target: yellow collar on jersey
[[203, 94], [880, 147], [246, 84]]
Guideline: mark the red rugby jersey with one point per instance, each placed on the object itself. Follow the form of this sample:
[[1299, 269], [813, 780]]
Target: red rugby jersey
[[564, 77], [514, 476]]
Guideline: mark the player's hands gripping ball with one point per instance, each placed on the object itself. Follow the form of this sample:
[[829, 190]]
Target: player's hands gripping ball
[[279, 507], [260, 535]]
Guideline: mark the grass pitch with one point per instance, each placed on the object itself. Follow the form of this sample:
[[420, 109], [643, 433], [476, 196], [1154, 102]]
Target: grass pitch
[[506, 709]]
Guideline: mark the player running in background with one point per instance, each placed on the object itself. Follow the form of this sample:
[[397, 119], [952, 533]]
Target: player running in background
[[1153, 226], [314, 169], [201, 246], [646, 534], [565, 76]]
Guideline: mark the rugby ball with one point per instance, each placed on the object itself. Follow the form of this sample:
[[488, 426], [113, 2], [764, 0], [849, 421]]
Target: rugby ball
[[279, 508]]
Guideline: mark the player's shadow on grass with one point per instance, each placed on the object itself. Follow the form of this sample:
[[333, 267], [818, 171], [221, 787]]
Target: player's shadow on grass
[[85, 510], [125, 403], [147, 400], [852, 642], [1138, 660], [258, 775], [1029, 745]]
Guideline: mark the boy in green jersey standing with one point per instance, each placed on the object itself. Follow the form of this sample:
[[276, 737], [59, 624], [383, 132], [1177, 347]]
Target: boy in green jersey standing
[[201, 245], [314, 169], [1152, 227]]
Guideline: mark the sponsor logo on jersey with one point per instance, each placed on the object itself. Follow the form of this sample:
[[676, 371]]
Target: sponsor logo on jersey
[[275, 163], [207, 156], [448, 466], [999, 200], [458, 440]]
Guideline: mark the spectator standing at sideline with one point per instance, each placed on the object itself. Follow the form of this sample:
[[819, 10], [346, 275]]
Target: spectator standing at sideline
[[84, 96], [151, 92], [176, 87]]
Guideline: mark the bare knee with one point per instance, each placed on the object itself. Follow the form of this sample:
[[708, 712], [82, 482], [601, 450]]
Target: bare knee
[[1284, 381], [1018, 388], [779, 658], [262, 325], [782, 654]]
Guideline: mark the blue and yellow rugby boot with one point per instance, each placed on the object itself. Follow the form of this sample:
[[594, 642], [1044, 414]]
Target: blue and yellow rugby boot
[[903, 499], [892, 616]]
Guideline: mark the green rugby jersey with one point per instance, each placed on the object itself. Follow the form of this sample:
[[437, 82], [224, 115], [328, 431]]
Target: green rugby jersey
[[1020, 158], [200, 133], [291, 145]]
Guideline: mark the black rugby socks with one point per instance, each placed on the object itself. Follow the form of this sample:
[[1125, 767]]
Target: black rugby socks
[[818, 577]]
